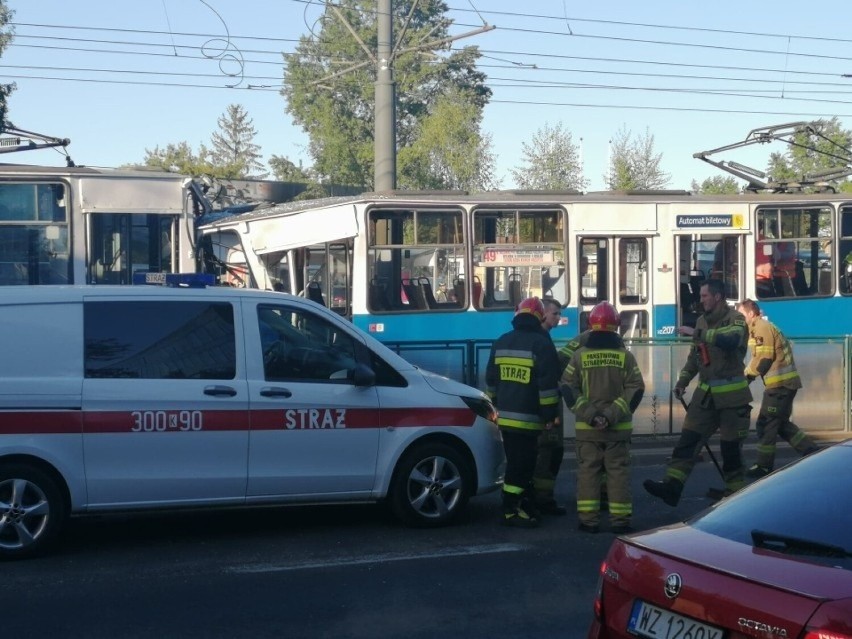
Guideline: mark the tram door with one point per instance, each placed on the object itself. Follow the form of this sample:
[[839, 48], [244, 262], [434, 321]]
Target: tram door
[[615, 269], [704, 256]]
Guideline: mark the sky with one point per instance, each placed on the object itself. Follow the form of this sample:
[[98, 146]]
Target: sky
[[118, 77]]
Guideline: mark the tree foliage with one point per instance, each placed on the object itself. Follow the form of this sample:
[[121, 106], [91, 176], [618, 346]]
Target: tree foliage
[[551, 161], [717, 185], [6, 34], [634, 164], [180, 158], [449, 151], [329, 85], [286, 171], [813, 153], [233, 149], [233, 155]]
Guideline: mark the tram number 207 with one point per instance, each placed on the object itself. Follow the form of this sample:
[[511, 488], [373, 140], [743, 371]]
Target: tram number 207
[[666, 330], [160, 421]]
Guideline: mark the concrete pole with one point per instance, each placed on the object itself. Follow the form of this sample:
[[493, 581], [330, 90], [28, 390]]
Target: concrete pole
[[385, 116]]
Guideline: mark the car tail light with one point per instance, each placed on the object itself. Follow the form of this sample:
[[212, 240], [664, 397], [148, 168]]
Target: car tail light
[[821, 633], [598, 606]]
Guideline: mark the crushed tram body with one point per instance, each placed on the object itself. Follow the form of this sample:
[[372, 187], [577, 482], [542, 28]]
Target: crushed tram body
[[437, 275]]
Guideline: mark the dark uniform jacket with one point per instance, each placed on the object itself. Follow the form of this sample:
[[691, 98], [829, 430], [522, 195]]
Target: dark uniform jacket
[[522, 376], [603, 379], [718, 348]]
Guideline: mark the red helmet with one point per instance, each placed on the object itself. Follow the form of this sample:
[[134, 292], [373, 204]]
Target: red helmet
[[531, 305], [604, 317]]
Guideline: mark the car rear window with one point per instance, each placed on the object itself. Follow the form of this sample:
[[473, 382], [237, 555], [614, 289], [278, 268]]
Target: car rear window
[[807, 504]]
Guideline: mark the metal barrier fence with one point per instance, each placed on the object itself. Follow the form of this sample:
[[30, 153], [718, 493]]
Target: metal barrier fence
[[822, 406]]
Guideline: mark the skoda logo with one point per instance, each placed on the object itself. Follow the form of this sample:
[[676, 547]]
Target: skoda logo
[[673, 584]]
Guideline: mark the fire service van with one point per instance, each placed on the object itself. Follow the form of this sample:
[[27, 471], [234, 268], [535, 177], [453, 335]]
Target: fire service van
[[143, 397]]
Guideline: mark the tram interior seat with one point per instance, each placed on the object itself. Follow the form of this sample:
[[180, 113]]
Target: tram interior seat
[[379, 297], [314, 293], [477, 292], [414, 293], [514, 290], [426, 286], [459, 289]]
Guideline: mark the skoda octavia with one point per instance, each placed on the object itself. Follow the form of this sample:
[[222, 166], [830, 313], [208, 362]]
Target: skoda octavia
[[772, 561]]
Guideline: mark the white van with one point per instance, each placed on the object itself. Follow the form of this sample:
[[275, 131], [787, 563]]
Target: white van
[[127, 398]]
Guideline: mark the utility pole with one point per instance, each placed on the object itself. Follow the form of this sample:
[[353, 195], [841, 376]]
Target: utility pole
[[384, 118], [384, 121]]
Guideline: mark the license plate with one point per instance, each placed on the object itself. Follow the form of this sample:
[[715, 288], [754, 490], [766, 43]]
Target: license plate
[[657, 623]]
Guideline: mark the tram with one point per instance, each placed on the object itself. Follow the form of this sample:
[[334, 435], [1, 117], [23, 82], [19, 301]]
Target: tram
[[438, 275], [80, 225]]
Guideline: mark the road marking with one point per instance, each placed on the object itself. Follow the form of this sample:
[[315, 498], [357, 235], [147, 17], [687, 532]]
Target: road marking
[[460, 551]]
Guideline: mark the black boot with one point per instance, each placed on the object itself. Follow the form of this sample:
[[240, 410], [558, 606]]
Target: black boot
[[514, 514], [668, 490]]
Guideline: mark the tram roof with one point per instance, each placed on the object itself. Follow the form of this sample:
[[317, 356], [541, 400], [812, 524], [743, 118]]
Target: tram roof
[[31, 170], [511, 198]]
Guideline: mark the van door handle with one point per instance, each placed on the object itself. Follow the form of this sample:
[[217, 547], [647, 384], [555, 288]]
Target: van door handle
[[220, 391], [275, 392]]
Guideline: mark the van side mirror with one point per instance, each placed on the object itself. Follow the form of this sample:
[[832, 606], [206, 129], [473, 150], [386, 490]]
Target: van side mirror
[[362, 375]]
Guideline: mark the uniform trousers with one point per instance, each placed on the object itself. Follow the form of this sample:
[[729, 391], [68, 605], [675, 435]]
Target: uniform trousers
[[603, 461], [703, 419], [774, 421]]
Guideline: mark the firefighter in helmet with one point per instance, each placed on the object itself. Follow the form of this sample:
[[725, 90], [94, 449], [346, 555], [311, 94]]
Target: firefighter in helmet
[[522, 380], [603, 386]]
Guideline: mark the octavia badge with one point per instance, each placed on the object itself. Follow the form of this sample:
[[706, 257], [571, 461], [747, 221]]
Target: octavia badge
[[673, 584]]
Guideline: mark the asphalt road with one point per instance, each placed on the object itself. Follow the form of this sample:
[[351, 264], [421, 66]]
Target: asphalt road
[[334, 571]]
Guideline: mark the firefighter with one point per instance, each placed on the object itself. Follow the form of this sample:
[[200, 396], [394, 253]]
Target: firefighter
[[551, 442], [603, 386], [522, 380], [722, 400], [772, 360], [565, 354]]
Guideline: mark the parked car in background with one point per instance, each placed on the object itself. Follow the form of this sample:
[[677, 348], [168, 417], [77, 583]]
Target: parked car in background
[[772, 561]]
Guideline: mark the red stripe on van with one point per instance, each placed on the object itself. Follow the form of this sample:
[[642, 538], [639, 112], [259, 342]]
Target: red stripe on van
[[53, 422], [75, 422]]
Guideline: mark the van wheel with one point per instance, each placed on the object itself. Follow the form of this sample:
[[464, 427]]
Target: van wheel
[[31, 511], [431, 485]]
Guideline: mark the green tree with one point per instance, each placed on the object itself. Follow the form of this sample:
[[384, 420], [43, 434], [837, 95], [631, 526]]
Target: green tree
[[551, 161], [179, 158], [825, 147], [717, 185], [634, 164], [6, 34], [449, 151], [284, 170], [329, 88], [233, 151]]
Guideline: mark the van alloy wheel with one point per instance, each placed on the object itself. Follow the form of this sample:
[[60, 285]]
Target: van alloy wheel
[[432, 485], [31, 511]]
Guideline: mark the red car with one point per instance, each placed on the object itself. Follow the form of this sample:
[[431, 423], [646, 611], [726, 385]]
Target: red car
[[773, 561]]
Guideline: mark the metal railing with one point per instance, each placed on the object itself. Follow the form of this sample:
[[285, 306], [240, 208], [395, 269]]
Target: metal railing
[[823, 405]]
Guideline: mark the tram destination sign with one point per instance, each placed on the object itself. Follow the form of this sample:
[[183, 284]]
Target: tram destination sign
[[708, 220]]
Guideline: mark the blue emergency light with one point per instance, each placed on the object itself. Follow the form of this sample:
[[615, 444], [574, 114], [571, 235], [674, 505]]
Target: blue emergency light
[[177, 280]]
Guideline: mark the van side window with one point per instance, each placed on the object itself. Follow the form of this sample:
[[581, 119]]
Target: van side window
[[299, 345], [160, 340]]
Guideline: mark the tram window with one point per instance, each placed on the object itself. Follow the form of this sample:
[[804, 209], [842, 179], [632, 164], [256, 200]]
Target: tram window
[[792, 251], [34, 247], [416, 261], [845, 252], [518, 254], [594, 283], [222, 255], [326, 276], [633, 270], [123, 244]]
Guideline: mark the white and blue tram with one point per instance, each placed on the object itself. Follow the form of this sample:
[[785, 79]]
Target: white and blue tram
[[438, 275]]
